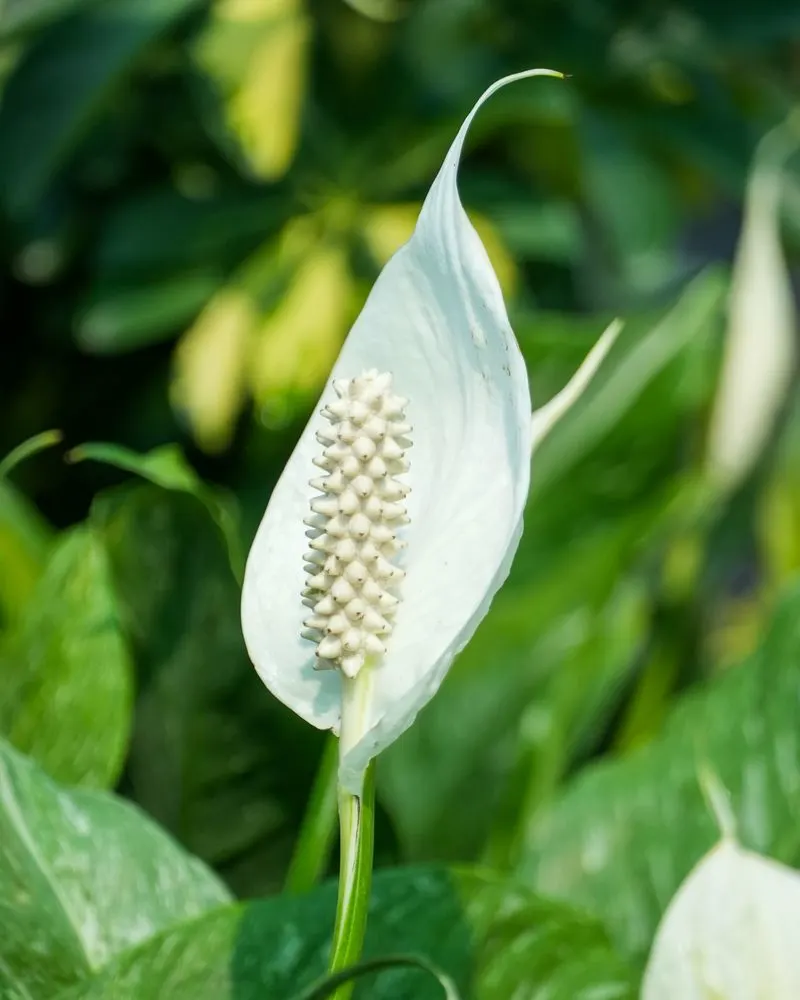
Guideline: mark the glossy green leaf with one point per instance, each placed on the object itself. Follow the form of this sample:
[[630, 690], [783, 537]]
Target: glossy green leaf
[[210, 746], [160, 231], [549, 231], [63, 82], [328, 986], [642, 358], [167, 467], [83, 877], [65, 677], [495, 940], [312, 848], [543, 671], [25, 540], [241, 54], [623, 837], [532, 692], [19, 17], [639, 229], [125, 318]]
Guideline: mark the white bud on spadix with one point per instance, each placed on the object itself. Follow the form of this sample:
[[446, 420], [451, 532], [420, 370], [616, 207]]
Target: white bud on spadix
[[354, 596]]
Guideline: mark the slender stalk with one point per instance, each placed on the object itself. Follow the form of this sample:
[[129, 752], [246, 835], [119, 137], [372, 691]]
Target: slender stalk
[[30, 447], [313, 847], [357, 828], [357, 821]]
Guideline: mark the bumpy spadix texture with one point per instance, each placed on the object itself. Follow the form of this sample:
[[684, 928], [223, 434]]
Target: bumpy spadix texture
[[353, 576]]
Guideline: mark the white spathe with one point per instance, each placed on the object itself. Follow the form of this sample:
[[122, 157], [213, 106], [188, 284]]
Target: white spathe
[[760, 351], [732, 932], [436, 321]]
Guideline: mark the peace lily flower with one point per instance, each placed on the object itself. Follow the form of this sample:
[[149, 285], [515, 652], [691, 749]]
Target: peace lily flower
[[730, 932], [399, 512], [760, 353]]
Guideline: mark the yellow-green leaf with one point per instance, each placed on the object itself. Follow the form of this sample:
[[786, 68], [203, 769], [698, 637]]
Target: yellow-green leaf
[[209, 375], [25, 540], [296, 346], [255, 52]]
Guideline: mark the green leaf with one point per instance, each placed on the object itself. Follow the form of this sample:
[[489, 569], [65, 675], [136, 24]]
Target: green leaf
[[160, 232], [123, 318], [643, 356], [65, 682], [541, 673], [63, 82], [211, 745], [533, 691], [240, 55], [25, 540], [494, 939], [18, 17], [623, 837], [83, 876], [167, 467], [547, 231], [312, 848], [331, 983], [638, 230]]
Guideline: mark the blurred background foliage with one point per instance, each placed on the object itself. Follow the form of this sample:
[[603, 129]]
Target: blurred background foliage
[[195, 198]]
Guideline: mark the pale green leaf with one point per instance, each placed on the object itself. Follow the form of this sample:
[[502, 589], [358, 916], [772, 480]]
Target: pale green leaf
[[65, 674], [626, 833], [83, 877], [493, 939]]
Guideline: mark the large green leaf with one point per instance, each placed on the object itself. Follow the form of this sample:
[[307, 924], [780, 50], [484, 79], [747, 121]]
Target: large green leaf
[[622, 838], [215, 758], [547, 667], [239, 58], [25, 540], [83, 876], [65, 682], [63, 81], [495, 940], [160, 232], [118, 317], [637, 231], [582, 626], [21, 16], [167, 467]]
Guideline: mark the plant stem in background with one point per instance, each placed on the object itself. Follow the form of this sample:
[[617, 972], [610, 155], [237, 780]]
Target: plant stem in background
[[30, 447], [313, 848], [357, 824]]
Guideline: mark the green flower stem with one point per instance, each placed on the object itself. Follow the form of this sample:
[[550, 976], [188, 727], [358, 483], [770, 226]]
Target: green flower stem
[[313, 847], [357, 827], [357, 820]]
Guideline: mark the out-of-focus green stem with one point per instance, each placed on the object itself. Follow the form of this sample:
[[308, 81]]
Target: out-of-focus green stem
[[313, 847], [30, 447]]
